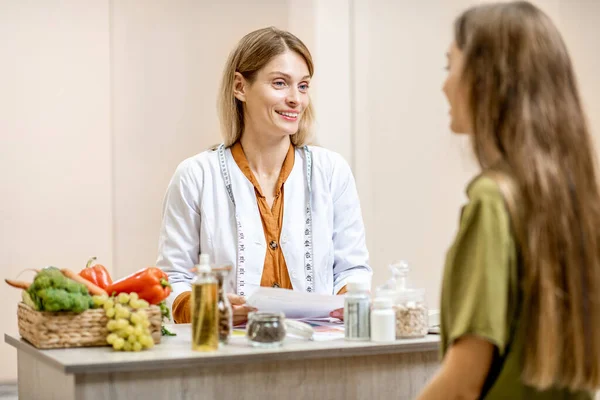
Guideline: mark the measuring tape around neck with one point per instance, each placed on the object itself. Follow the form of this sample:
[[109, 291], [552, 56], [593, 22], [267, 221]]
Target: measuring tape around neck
[[308, 249]]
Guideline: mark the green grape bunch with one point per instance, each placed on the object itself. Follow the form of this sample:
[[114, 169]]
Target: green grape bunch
[[128, 321]]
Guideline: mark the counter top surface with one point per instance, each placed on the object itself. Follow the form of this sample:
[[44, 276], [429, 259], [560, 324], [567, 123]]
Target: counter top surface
[[175, 352]]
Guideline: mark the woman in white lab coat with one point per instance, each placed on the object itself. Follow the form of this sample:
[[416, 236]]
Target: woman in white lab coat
[[280, 212]]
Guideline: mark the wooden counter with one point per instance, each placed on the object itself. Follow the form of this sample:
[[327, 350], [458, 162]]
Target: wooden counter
[[297, 370]]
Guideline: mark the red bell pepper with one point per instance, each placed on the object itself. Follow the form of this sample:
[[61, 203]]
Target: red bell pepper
[[97, 274], [151, 284]]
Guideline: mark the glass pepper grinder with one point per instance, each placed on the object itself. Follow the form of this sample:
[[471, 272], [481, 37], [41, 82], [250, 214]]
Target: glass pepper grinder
[[224, 306]]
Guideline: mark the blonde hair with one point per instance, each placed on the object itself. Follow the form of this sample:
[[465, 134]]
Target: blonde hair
[[252, 53], [527, 114]]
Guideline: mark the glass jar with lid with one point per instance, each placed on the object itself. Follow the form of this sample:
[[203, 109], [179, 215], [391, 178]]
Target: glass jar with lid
[[412, 318], [266, 329], [409, 304]]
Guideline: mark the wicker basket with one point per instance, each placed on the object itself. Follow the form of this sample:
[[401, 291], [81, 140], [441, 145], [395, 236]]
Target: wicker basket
[[54, 330]]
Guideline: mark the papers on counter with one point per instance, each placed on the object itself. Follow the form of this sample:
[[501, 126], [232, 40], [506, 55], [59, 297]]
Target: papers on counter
[[325, 328], [295, 304]]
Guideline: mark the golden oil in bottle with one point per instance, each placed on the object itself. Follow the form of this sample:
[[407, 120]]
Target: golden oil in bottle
[[205, 312]]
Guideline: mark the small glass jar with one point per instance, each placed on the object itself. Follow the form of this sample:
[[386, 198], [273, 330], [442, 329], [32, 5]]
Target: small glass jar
[[265, 329], [412, 317]]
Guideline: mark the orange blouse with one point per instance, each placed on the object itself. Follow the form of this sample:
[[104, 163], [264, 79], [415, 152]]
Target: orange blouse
[[275, 273]]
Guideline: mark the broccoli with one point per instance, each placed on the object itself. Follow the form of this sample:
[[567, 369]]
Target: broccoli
[[55, 299], [75, 287], [29, 301], [52, 291], [49, 277]]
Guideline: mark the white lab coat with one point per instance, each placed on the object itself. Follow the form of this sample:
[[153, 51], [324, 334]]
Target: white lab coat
[[199, 217]]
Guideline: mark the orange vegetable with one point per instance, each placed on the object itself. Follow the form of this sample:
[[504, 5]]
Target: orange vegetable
[[92, 288], [97, 274], [151, 284], [18, 284]]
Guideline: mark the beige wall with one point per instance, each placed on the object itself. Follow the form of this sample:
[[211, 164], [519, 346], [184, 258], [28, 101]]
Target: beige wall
[[411, 171], [55, 144], [103, 99], [407, 163], [579, 23], [166, 63]]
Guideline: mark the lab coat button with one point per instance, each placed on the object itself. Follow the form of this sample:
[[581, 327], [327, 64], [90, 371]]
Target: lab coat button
[[276, 285]]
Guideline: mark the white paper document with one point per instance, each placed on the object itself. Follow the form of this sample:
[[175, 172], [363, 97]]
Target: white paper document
[[295, 304]]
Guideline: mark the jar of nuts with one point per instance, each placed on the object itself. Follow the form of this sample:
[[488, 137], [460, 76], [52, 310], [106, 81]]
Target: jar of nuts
[[412, 317], [409, 304]]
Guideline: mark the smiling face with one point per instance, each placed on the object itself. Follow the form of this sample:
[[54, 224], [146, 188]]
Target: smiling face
[[456, 93], [276, 98]]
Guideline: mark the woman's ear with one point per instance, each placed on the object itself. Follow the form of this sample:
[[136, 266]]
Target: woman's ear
[[239, 87]]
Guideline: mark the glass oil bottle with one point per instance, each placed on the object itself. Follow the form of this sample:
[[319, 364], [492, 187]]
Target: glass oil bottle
[[205, 312]]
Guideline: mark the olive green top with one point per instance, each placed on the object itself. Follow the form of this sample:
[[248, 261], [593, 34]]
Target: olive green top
[[481, 292]]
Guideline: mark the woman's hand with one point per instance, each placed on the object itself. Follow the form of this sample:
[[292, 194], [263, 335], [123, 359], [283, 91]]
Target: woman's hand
[[339, 313], [240, 309]]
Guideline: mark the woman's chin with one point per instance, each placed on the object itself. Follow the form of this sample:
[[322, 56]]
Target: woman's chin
[[288, 132], [457, 130]]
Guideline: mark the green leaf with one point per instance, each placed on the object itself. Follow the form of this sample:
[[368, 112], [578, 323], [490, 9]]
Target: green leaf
[[165, 332]]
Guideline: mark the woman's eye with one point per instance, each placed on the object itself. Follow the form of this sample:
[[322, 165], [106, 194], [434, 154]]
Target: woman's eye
[[279, 83], [303, 87]]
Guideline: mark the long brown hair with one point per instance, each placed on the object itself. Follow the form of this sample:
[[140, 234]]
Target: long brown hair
[[527, 114], [251, 54]]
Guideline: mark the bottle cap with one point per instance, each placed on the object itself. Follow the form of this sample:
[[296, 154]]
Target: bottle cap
[[382, 303], [204, 266], [356, 285], [204, 259]]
